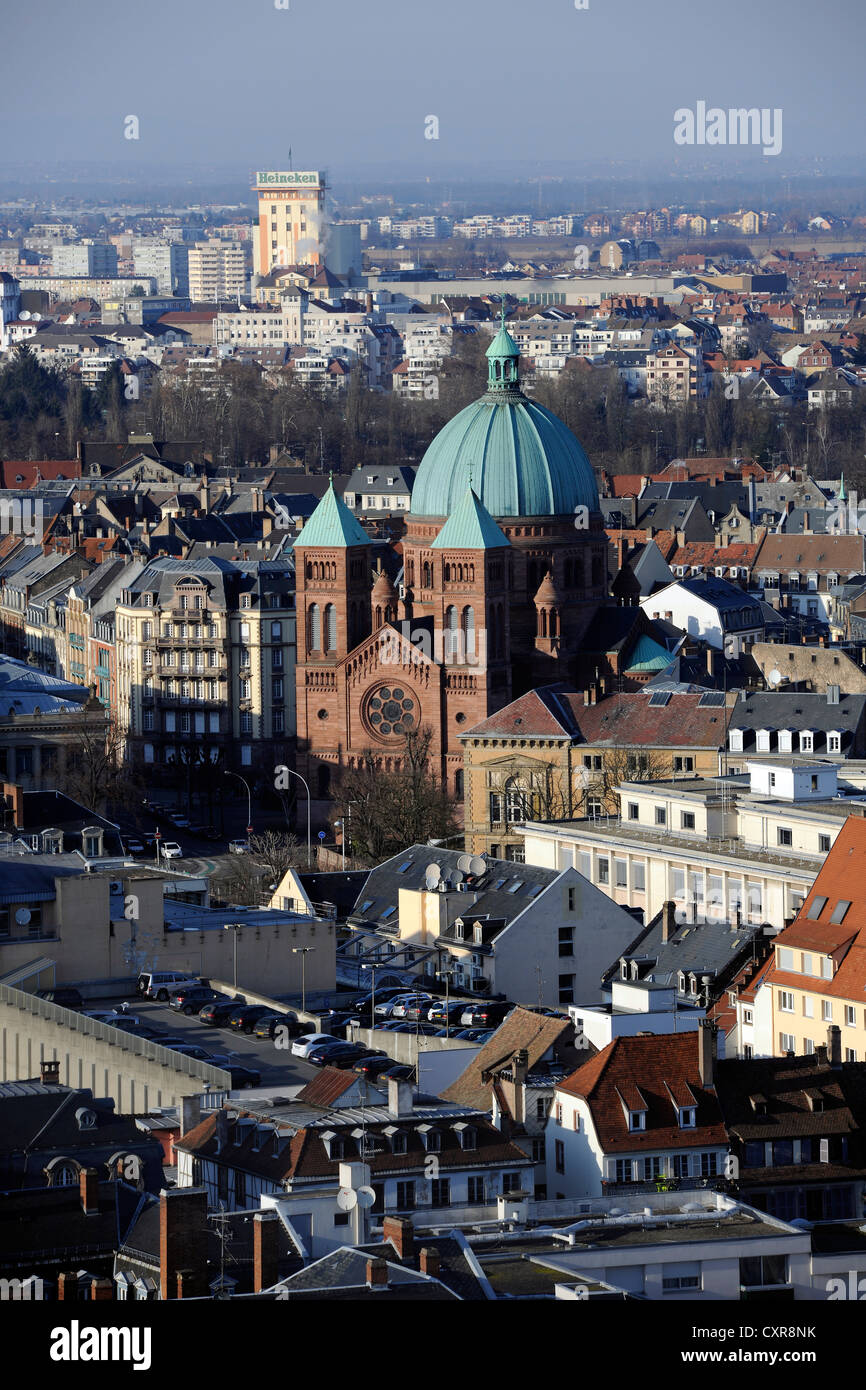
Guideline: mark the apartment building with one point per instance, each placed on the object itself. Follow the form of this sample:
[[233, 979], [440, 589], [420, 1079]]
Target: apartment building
[[738, 847], [217, 270], [167, 262], [817, 977], [260, 327], [205, 662], [673, 374], [84, 258]]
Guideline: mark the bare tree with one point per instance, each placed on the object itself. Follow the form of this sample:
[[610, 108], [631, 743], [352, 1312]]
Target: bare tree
[[391, 809], [274, 852], [595, 787], [94, 774]]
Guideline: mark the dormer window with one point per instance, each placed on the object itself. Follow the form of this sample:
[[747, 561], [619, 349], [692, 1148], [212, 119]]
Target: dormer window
[[807, 741], [623, 970], [785, 739], [735, 738], [466, 1135], [693, 984], [399, 1142], [681, 982], [686, 1116], [834, 741], [637, 1120], [763, 740], [334, 1144]]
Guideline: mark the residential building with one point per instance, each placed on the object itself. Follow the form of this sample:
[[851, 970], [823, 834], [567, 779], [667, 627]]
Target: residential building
[[675, 374], [217, 270], [710, 609], [90, 258], [642, 1111], [786, 722], [804, 573]]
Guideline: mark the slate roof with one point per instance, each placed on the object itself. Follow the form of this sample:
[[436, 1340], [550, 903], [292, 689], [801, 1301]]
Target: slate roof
[[790, 1086], [798, 709], [24, 689], [36, 1221], [711, 948], [343, 1274], [647, 1069]]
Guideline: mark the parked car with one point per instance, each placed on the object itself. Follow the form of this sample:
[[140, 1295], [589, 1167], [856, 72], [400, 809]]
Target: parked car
[[212, 834], [190, 999], [246, 1016], [182, 822], [385, 1007], [332, 1054], [373, 1064], [138, 1029], [400, 1072], [310, 1041], [200, 1054], [162, 984], [269, 1023], [134, 845], [485, 1015], [439, 1012], [218, 1013], [412, 1001], [239, 846], [384, 996], [170, 849], [416, 1011], [244, 1076], [64, 997]]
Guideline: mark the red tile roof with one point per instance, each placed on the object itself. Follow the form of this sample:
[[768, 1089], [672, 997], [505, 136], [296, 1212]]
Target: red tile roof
[[656, 1066], [30, 472]]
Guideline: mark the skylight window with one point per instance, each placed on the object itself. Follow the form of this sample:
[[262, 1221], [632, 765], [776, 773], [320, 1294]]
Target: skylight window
[[518, 883], [365, 906], [407, 864], [498, 884], [816, 907], [389, 912], [839, 912]]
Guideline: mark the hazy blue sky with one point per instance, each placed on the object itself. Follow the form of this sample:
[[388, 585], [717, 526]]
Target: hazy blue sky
[[349, 84]]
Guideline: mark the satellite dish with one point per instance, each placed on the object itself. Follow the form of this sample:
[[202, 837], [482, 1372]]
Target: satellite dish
[[22, 916], [432, 875], [477, 864], [774, 677], [347, 1199], [465, 863], [24, 315], [36, 316], [365, 1196], [457, 876]]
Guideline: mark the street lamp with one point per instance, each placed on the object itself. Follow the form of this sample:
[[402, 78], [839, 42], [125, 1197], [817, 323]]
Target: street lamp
[[338, 825], [302, 952], [283, 768], [226, 773], [235, 927], [374, 966]]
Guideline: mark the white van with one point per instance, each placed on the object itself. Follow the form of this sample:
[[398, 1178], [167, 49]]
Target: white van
[[160, 984]]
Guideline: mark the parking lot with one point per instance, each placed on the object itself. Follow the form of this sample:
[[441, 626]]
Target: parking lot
[[277, 1065]]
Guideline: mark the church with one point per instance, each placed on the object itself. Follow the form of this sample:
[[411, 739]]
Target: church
[[504, 565]]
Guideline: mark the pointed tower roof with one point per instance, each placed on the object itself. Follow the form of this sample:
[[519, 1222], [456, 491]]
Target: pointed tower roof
[[383, 587], [332, 524], [843, 492], [470, 527]]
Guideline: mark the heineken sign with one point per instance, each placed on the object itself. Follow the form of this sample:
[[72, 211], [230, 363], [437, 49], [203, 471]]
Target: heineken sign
[[287, 180]]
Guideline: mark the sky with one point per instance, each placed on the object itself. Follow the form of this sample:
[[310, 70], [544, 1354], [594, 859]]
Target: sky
[[350, 85]]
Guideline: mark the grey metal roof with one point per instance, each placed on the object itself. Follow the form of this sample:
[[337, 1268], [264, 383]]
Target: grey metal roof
[[797, 709]]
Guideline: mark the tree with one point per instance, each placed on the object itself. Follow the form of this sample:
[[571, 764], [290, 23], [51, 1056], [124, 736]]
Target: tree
[[275, 852], [619, 763], [94, 774], [391, 809]]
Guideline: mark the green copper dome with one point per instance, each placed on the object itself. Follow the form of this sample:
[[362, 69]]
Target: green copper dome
[[516, 455]]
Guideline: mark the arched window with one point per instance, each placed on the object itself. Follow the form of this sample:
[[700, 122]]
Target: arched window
[[553, 622], [315, 628], [324, 779], [469, 630], [426, 575], [458, 782], [542, 622], [452, 630], [378, 616], [330, 628]]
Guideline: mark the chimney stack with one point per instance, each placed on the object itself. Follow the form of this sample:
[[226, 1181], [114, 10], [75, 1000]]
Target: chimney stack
[[401, 1234], [88, 1186], [101, 1291], [711, 661], [399, 1098], [265, 1233], [834, 1044], [182, 1240], [67, 1287], [377, 1274], [429, 1261], [706, 1051], [49, 1072], [669, 920], [190, 1113]]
